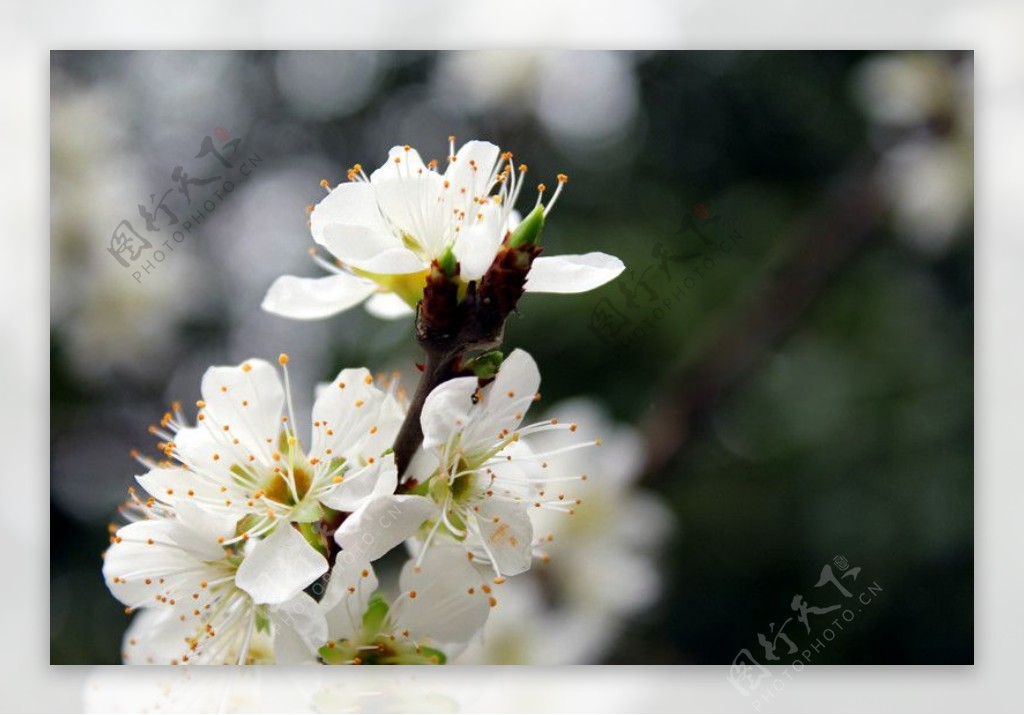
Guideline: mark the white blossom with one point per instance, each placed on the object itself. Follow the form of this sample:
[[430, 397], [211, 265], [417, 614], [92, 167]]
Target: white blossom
[[243, 458], [476, 480], [206, 603], [385, 229]]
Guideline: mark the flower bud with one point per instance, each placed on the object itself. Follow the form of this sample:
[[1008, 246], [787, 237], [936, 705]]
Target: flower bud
[[527, 233], [447, 262]]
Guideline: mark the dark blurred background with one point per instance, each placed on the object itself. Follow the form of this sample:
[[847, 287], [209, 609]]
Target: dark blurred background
[[793, 339]]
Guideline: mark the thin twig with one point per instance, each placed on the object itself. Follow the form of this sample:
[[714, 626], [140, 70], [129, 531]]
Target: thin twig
[[437, 369]]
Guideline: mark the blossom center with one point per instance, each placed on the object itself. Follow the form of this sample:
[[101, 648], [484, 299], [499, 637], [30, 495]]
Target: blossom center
[[278, 489]]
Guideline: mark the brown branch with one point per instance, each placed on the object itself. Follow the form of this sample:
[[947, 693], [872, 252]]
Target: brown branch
[[437, 369]]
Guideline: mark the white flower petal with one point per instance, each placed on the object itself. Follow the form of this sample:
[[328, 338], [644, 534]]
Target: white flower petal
[[446, 411], [412, 206], [478, 242], [422, 465], [248, 399], [174, 485], [280, 566], [572, 274], [388, 306], [508, 533], [209, 526], [377, 479], [382, 524], [349, 224], [449, 409], [443, 609], [409, 163], [521, 475], [389, 261], [311, 298], [156, 636], [473, 168], [197, 446], [354, 419], [348, 594], [354, 205], [505, 401], [299, 630], [151, 549]]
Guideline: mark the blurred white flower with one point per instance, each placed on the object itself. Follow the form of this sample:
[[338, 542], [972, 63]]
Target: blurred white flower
[[618, 525], [586, 101], [243, 459], [111, 322], [931, 184], [489, 80], [924, 103], [386, 229], [525, 629], [903, 89], [328, 84], [605, 557]]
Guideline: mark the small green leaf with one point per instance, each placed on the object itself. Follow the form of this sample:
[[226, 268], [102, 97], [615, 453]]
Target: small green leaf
[[485, 366]]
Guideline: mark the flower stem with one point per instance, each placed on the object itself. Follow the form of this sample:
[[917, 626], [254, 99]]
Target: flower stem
[[449, 329], [438, 369]]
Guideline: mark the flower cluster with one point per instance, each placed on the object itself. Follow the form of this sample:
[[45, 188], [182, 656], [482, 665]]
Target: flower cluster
[[255, 539]]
